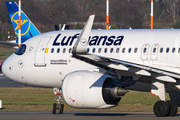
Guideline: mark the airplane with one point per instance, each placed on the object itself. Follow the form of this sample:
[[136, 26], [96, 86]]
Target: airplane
[[94, 69], [28, 28]]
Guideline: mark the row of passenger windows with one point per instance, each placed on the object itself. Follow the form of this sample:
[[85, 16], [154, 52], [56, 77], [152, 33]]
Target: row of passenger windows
[[105, 50], [58, 50]]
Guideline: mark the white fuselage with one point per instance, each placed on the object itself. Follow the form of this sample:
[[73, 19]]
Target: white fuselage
[[39, 66]]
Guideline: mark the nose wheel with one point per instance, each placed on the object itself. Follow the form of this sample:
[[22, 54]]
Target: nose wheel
[[58, 106]]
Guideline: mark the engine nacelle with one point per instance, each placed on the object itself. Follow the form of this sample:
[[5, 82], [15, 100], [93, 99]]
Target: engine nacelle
[[86, 89]]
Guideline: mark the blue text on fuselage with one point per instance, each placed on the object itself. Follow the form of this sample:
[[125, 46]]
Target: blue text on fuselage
[[93, 40]]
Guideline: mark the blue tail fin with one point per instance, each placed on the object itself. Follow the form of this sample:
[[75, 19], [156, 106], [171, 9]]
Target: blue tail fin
[[28, 29]]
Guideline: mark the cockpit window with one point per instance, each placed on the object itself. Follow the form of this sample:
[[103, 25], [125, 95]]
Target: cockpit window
[[21, 50]]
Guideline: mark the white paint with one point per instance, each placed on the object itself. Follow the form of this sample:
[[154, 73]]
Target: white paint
[[151, 8], [107, 7], [0, 104]]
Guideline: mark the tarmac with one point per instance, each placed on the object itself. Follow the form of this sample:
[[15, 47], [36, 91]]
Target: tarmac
[[5, 82], [83, 116]]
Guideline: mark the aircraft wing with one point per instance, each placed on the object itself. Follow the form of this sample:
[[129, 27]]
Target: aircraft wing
[[126, 66], [9, 43]]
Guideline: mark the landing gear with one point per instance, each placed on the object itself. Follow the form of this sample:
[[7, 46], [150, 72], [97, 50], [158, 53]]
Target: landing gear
[[54, 108], [173, 109], [163, 109], [59, 106]]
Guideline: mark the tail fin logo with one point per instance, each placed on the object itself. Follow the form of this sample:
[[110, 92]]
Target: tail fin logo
[[25, 23]]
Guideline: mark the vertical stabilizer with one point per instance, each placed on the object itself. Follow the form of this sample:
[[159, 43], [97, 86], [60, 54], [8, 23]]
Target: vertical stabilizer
[[28, 29]]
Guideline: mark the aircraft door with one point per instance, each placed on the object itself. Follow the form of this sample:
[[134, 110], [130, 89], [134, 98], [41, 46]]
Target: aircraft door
[[154, 51], [40, 52], [144, 52]]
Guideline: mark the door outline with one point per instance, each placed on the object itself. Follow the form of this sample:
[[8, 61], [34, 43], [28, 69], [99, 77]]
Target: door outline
[[154, 51], [144, 52], [39, 59]]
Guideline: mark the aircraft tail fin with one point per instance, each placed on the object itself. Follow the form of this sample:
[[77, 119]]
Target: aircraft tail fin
[[28, 29]]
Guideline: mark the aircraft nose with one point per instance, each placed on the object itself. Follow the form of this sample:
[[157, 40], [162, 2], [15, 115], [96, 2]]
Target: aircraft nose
[[6, 68]]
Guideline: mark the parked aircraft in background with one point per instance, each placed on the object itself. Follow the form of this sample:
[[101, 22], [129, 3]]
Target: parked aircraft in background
[[95, 68], [28, 28]]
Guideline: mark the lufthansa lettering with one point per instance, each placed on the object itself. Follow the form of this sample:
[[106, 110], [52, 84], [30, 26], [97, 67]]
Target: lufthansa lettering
[[93, 40]]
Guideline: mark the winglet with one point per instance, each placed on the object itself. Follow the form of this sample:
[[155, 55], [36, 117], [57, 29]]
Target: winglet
[[81, 44]]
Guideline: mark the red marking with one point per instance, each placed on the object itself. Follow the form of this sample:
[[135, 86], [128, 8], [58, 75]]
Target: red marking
[[72, 100], [152, 92], [58, 93]]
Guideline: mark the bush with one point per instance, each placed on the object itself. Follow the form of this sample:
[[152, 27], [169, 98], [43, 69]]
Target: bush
[[176, 25], [78, 26], [2, 35], [114, 27]]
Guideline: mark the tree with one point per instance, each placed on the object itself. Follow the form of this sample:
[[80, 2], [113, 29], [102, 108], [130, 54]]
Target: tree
[[172, 8]]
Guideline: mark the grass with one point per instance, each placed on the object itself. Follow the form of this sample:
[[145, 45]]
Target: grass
[[6, 53], [40, 99]]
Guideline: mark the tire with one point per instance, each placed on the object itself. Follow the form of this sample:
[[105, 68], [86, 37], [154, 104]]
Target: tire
[[161, 109], [61, 109], [173, 109], [54, 108]]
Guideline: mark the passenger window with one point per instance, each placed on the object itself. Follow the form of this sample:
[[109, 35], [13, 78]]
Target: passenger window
[[88, 50], [144, 50], [94, 50], [70, 50], [64, 50], [105, 50], [21, 50], [58, 50], [111, 50], [173, 50], [123, 50], [179, 50], [117, 50], [99, 51], [129, 50], [135, 50], [154, 50], [52, 50], [167, 50], [161, 50]]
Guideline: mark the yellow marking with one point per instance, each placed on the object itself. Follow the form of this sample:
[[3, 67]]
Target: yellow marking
[[83, 104], [71, 104], [17, 22], [14, 15], [47, 49], [77, 104]]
